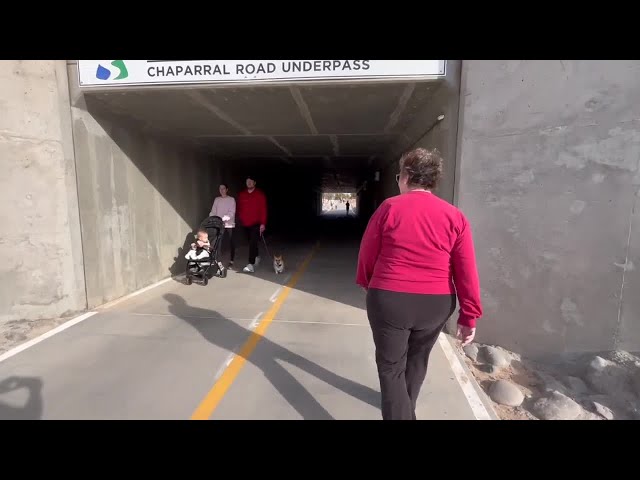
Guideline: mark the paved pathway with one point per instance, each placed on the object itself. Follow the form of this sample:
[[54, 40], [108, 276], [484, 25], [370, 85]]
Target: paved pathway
[[244, 347]]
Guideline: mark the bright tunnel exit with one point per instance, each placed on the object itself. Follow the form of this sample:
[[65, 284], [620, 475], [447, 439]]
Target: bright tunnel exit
[[340, 203]]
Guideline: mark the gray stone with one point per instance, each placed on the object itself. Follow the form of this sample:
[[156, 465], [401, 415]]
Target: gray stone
[[624, 359], [471, 351], [556, 406], [550, 384], [577, 385], [604, 411], [607, 377], [485, 368], [506, 393], [493, 356], [588, 416], [621, 407]]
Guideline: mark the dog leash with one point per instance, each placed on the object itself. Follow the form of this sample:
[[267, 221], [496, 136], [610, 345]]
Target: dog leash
[[266, 247]]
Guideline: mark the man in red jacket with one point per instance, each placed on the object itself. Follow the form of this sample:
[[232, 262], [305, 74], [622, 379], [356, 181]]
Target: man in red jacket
[[251, 211]]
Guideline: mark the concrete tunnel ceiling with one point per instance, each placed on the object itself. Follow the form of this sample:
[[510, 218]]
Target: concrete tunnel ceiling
[[338, 128]]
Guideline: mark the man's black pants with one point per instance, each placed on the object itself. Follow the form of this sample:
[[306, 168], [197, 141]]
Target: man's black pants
[[253, 235], [405, 328]]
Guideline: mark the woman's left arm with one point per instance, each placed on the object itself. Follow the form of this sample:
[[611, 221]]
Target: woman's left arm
[[370, 248], [465, 277]]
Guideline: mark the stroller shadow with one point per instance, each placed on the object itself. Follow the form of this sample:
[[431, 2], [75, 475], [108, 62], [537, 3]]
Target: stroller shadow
[[228, 335], [179, 262]]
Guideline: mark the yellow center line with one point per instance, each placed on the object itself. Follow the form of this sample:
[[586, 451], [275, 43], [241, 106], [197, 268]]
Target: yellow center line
[[219, 389]]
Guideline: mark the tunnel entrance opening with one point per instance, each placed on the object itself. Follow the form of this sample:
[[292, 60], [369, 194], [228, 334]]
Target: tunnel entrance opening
[[299, 140], [150, 162]]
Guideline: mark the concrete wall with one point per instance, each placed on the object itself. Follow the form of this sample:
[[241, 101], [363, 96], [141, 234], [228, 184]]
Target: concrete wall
[[427, 132], [548, 176], [140, 199], [40, 249]]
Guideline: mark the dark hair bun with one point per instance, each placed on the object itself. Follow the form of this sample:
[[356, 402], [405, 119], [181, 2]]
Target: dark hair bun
[[423, 167]]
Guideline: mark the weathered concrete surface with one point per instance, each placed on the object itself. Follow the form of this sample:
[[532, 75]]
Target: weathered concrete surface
[[40, 249], [140, 197], [156, 355], [426, 131], [549, 179]]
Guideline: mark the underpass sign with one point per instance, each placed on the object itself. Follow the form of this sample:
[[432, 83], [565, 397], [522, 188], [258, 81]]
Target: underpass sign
[[113, 73]]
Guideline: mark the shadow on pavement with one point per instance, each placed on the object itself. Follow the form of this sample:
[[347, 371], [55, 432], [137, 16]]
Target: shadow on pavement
[[230, 336], [33, 407], [333, 272], [179, 262]]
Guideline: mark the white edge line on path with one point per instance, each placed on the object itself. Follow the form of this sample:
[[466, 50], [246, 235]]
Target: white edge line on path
[[137, 292], [80, 318], [475, 402], [274, 297], [256, 321], [44, 336]]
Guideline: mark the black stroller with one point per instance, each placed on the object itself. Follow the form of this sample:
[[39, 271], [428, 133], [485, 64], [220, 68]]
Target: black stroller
[[201, 268]]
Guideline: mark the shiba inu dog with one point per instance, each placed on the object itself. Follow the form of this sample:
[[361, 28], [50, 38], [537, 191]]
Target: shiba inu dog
[[278, 264]]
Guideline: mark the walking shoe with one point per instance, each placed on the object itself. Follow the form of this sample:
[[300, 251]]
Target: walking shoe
[[248, 269]]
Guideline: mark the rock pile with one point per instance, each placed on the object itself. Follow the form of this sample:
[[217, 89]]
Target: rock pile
[[605, 386]]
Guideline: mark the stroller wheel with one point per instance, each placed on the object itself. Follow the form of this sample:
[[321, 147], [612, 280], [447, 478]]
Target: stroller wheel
[[205, 280]]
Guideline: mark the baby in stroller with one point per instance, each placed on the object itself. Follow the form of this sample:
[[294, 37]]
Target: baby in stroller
[[204, 251], [200, 248]]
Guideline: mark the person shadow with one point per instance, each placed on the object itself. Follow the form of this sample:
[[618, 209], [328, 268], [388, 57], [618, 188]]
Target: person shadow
[[179, 262], [230, 336], [33, 407]]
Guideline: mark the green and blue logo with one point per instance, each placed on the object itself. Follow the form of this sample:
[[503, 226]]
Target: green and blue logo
[[104, 73]]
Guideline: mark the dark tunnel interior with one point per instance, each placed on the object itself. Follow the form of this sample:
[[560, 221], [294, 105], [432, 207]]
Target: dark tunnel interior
[[298, 141], [150, 162], [294, 192]]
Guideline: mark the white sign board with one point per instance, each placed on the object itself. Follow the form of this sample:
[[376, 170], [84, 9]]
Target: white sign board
[[112, 73]]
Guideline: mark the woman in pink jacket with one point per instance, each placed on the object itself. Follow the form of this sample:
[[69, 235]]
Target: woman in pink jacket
[[224, 207]]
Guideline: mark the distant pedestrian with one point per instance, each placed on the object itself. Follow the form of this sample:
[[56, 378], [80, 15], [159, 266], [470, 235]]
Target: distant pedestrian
[[347, 207], [416, 255]]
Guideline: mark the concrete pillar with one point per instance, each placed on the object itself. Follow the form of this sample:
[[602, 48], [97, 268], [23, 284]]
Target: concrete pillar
[[41, 261]]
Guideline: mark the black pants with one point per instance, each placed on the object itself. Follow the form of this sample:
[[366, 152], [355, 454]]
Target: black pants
[[228, 237], [253, 235], [405, 328]]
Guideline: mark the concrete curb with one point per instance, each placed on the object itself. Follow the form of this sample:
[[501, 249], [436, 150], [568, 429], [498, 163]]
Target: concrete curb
[[486, 401]]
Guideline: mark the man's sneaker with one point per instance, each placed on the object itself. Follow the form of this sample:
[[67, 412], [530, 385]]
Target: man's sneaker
[[248, 269], [257, 261]]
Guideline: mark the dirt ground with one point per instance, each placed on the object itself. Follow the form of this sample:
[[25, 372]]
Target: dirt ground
[[16, 332], [516, 373]]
